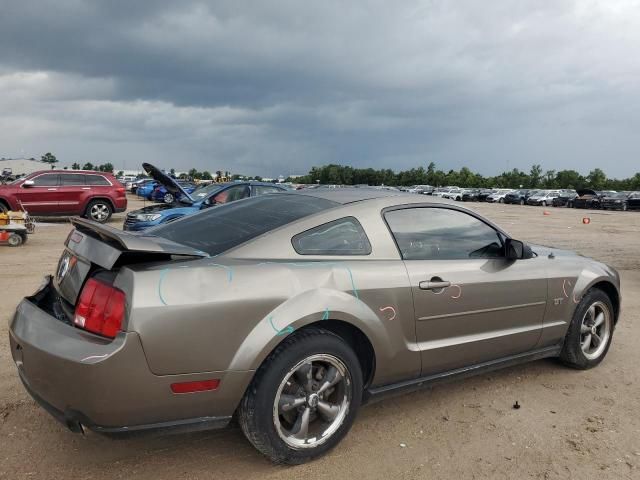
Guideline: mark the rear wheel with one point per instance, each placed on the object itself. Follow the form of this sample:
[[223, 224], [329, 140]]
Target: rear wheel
[[521, 201], [304, 397], [590, 333], [99, 211], [501, 200], [3, 208], [543, 203], [14, 240]]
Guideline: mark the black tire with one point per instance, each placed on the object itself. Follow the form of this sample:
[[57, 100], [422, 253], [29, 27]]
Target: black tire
[[543, 203], [521, 201], [14, 240], [168, 197], [3, 208], [256, 411], [99, 211], [572, 353], [501, 200]]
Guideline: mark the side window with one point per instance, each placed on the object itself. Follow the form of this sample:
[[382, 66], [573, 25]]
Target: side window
[[46, 180], [262, 190], [67, 179], [232, 194], [340, 237], [97, 180], [442, 234]]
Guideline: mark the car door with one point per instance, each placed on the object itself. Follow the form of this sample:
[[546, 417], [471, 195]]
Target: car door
[[471, 304], [41, 196], [71, 190]]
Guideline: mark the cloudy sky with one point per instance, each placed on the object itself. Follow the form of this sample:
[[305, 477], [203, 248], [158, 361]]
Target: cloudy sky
[[275, 87]]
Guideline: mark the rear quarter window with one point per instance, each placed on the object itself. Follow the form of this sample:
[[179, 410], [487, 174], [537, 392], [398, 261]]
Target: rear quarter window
[[339, 237], [97, 180]]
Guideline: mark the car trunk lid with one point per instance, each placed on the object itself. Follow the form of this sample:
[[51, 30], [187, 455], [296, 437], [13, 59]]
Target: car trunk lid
[[93, 247]]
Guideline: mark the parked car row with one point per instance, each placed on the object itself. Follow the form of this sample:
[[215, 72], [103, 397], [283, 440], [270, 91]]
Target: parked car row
[[583, 198]]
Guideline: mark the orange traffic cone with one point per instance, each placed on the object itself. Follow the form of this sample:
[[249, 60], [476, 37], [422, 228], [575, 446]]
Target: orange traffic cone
[[586, 220], [546, 212]]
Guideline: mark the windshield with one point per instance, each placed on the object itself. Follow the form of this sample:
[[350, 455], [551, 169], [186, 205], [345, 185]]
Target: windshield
[[217, 229]]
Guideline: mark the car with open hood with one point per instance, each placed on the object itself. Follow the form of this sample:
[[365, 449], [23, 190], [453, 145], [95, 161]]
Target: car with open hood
[[588, 198], [212, 195], [304, 306], [161, 194]]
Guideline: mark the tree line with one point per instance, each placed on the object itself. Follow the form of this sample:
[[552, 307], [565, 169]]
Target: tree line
[[536, 178]]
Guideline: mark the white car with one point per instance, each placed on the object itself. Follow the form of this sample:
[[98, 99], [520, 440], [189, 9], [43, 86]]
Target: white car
[[498, 195], [543, 197], [446, 191]]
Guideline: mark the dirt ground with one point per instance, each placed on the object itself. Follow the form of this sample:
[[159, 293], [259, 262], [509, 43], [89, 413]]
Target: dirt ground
[[571, 424]]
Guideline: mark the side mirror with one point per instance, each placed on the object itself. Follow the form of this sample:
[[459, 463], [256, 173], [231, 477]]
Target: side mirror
[[208, 202], [28, 183], [517, 250]]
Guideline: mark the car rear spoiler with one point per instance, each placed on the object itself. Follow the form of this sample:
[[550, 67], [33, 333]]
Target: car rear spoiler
[[133, 242]]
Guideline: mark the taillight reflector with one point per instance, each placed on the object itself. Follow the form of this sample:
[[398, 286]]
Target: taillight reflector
[[190, 387], [100, 309]]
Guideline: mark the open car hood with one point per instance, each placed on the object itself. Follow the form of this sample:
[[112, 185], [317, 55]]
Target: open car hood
[[169, 183], [586, 191]]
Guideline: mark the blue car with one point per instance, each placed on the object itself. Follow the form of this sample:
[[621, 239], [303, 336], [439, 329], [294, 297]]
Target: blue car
[[145, 189], [205, 197], [161, 194]]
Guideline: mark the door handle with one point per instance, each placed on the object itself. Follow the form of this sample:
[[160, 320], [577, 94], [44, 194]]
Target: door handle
[[52, 189], [86, 188], [436, 283]]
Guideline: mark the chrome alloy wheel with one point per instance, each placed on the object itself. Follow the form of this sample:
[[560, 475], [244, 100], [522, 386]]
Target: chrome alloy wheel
[[312, 401], [595, 330], [99, 212]]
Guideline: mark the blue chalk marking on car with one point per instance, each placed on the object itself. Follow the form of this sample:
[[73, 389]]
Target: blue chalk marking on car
[[285, 331], [227, 268], [325, 316]]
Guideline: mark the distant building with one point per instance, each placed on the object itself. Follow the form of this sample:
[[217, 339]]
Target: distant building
[[22, 166]]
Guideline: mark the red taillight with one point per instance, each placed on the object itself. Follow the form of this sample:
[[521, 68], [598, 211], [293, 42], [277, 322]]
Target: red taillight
[[100, 309], [120, 190], [190, 387]]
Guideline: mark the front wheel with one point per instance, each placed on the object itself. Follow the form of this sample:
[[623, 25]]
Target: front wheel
[[590, 332], [99, 211], [168, 198], [303, 399]]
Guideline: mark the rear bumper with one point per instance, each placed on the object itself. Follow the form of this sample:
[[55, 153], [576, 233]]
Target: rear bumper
[[81, 379]]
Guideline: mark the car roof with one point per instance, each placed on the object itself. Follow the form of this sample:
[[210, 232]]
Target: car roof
[[348, 195], [73, 171]]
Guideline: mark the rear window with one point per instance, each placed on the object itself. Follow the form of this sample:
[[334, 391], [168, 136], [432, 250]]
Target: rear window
[[220, 228]]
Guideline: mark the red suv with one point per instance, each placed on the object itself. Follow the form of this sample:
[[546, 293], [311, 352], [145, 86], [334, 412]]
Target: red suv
[[95, 195]]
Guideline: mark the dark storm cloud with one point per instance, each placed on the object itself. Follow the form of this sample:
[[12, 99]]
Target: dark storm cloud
[[275, 87]]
